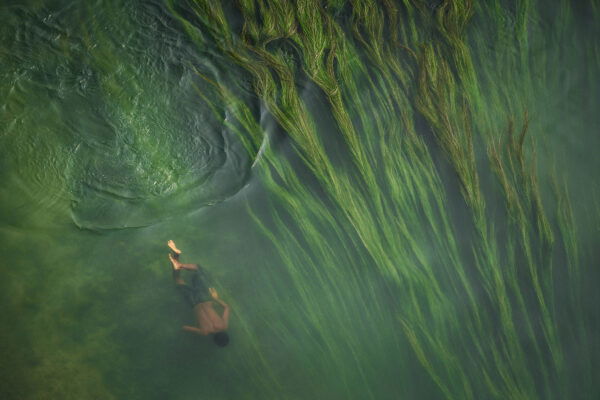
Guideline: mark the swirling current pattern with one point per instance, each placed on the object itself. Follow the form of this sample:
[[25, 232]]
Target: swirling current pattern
[[130, 138]]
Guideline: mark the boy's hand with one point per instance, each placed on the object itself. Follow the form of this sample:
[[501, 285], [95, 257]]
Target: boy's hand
[[213, 293]]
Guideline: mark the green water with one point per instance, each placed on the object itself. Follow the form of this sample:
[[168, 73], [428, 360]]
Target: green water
[[399, 199]]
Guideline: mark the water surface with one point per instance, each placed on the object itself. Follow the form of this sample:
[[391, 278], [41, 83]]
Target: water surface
[[398, 200]]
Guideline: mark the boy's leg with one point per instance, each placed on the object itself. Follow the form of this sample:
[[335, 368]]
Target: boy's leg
[[186, 291], [204, 276], [200, 284], [189, 267], [176, 271], [177, 277], [172, 246]]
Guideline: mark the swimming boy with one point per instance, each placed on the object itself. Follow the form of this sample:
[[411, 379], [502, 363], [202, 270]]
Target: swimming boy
[[200, 297]]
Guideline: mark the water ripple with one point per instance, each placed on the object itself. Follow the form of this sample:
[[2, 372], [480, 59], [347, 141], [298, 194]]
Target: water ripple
[[107, 120]]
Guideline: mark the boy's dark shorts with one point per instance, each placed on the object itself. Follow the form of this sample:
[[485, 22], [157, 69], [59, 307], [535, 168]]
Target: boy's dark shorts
[[198, 291]]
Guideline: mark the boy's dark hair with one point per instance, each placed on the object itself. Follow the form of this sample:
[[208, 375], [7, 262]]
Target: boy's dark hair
[[221, 339]]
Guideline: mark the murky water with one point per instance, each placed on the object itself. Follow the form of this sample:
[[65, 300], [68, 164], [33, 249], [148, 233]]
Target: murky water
[[356, 184]]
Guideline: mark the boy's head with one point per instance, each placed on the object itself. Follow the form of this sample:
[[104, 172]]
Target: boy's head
[[221, 339]]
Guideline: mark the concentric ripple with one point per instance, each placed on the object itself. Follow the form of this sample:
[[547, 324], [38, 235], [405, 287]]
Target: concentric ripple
[[119, 137]]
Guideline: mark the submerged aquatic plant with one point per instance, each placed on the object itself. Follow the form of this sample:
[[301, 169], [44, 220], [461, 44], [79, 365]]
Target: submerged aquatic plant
[[405, 203], [410, 203]]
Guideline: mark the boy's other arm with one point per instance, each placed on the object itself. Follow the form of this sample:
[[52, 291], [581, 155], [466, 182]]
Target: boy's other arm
[[193, 329]]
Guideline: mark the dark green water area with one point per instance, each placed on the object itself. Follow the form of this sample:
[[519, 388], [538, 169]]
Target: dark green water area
[[398, 198]]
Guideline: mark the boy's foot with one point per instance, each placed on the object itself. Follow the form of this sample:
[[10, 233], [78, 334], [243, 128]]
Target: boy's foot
[[176, 264], [172, 246]]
